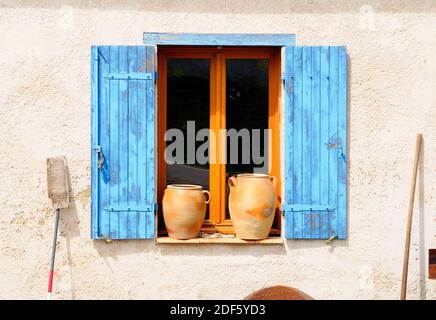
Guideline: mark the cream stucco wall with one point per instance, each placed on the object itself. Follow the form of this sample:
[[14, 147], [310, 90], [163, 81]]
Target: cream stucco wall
[[44, 111]]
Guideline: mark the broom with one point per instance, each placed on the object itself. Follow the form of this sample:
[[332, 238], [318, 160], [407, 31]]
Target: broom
[[59, 194]]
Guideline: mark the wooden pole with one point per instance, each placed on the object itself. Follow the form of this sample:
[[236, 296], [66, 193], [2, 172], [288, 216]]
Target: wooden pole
[[409, 218], [53, 255]]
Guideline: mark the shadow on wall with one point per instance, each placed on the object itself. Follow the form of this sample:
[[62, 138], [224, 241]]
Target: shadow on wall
[[125, 247], [69, 218], [229, 250], [68, 229], [314, 244], [117, 248], [238, 6]]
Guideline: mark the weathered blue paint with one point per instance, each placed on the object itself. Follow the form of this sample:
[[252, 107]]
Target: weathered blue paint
[[297, 110], [342, 147], [148, 140], [308, 119], [114, 116], [315, 142], [103, 141], [324, 132], [123, 125], [221, 39], [142, 143], [94, 141], [332, 143], [315, 169]]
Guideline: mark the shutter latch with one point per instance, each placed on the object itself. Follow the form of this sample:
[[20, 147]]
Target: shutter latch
[[107, 239], [329, 240], [100, 157]]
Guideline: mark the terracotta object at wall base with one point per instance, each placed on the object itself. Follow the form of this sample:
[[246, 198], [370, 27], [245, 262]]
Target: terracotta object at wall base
[[252, 204], [184, 207], [278, 293]]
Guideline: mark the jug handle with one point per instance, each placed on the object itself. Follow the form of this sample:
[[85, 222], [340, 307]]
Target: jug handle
[[232, 182], [208, 195], [273, 180]]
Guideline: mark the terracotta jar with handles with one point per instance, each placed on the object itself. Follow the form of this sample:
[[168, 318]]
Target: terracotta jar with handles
[[184, 207], [252, 204]]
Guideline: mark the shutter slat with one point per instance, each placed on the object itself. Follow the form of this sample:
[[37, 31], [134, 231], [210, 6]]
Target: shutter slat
[[333, 136], [342, 135], [307, 141], [150, 151], [104, 127], [324, 138], [315, 162], [289, 133], [142, 142], [114, 144], [94, 140], [298, 139], [124, 142], [315, 141], [132, 217], [125, 131]]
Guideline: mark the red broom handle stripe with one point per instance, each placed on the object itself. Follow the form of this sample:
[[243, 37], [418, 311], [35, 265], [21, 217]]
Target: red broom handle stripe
[[50, 281], [53, 254]]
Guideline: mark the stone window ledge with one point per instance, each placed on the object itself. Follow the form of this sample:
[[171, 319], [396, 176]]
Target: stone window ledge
[[226, 240]]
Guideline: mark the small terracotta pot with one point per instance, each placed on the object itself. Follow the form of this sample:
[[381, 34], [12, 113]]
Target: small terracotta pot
[[184, 207], [252, 204]]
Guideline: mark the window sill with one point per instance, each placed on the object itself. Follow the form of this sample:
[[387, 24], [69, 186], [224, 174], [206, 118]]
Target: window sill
[[269, 241]]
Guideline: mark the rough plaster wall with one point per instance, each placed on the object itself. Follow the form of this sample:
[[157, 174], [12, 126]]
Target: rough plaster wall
[[45, 104]]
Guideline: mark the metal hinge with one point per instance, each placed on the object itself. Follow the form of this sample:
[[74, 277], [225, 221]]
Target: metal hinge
[[132, 208], [129, 76], [306, 207]]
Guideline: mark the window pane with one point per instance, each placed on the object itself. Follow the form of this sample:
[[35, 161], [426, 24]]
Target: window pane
[[188, 98], [246, 109]]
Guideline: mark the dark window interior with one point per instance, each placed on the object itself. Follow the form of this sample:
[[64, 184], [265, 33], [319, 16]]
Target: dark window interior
[[188, 99], [246, 107]]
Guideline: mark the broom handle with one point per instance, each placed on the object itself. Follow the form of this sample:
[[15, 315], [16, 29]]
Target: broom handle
[[409, 218], [53, 255]]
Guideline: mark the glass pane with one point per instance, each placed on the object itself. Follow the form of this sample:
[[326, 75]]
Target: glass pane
[[188, 98], [246, 110]]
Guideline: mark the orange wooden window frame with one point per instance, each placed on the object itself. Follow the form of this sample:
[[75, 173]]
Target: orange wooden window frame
[[217, 56]]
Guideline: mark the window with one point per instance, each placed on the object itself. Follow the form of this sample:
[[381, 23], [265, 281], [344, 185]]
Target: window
[[212, 84], [218, 88]]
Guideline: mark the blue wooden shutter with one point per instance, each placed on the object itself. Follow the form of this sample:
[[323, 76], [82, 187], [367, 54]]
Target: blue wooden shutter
[[315, 177], [123, 142]]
